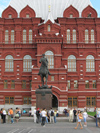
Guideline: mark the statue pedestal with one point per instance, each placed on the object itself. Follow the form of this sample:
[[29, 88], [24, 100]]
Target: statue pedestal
[[43, 98]]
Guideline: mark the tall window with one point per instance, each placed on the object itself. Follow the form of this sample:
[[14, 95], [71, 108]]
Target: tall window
[[27, 100], [24, 36], [12, 84], [9, 66], [90, 63], [23, 84], [74, 36], [68, 84], [50, 58], [72, 101], [9, 100], [30, 84], [92, 36], [71, 15], [75, 84], [94, 84], [12, 36], [27, 15], [49, 28], [86, 36], [90, 101], [72, 63], [68, 36], [6, 36], [5, 84], [30, 36], [27, 63], [87, 84]]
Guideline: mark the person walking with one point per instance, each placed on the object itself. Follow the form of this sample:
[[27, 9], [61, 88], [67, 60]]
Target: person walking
[[1, 112], [9, 118], [85, 115], [43, 113], [38, 115], [35, 115], [71, 115], [55, 114], [11, 114], [51, 113], [74, 113], [79, 117], [4, 116]]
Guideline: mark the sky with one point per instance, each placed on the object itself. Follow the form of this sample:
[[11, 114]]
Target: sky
[[95, 4]]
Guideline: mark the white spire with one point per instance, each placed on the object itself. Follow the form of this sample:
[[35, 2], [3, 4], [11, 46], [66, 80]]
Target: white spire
[[49, 17]]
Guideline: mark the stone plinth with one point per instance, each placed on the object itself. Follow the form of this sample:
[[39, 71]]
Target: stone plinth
[[43, 98]]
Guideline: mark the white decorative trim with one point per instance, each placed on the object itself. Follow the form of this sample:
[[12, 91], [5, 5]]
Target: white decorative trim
[[82, 91], [63, 100], [82, 100]]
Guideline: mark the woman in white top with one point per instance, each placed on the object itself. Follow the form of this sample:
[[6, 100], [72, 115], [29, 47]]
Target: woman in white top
[[85, 115]]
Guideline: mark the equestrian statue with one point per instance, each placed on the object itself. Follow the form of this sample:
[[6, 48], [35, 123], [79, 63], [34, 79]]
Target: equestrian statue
[[44, 72]]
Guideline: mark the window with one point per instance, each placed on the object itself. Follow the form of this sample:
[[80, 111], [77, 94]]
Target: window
[[90, 101], [90, 63], [94, 84], [5, 84], [52, 78], [9, 66], [27, 15], [30, 36], [71, 63], [9, 16], [27, 63], [27, 100], [86, 84], [49, 28], [74, 36], [50, 57], [24, 84], [68, 36], [12, 36], [6, 36], [75, 84], [71, 16], [9, 100], [12, 84], [24, 36], [86, 36], [72, 101], [92, 36], [68, 84]]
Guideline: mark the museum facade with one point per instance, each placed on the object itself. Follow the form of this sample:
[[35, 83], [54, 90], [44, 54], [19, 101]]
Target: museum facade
[[71, 43]]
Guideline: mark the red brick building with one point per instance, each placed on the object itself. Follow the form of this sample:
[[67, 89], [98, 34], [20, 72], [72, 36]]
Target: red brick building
[[70, 41]]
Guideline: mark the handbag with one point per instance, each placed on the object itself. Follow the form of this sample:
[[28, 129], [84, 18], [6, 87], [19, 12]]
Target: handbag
[[80, 117]]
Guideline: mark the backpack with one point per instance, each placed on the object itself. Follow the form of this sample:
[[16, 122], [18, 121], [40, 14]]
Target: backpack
[[52, 113]]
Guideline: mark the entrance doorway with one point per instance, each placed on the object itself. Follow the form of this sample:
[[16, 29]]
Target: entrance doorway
[[54, 101]]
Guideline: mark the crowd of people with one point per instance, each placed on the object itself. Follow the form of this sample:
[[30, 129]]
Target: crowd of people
[[49, 116]]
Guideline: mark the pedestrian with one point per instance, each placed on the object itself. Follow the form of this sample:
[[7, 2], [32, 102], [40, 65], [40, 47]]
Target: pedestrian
[[43, 113], [1, 113], [74, 113], [11, 114], [4, 115], [35, 115], [38, 115], [17, 114], [55, 114], [98, 117], [51, 113], [79, 117], [9, 118], [71, 115], [85, 115]]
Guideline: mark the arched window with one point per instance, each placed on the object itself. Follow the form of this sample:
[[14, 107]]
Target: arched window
[[90, 63], [74, 36], [12, 36], [50, 57], [6, 36], [24, 36], [86, 36], [30, 36], [9, 65], [27, 63], [49, 28], [68, 36], [72, 63], [92, 36]]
